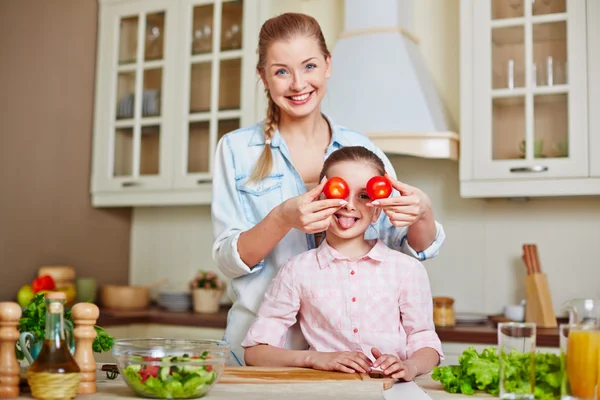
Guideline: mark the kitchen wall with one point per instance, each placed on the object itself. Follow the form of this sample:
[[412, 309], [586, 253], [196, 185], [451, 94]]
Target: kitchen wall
[[480, 262], [48, 53]]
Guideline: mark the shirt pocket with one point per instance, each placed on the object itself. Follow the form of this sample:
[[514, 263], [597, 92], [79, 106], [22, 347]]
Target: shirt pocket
[[382, 313], [259, 198], [324, 310]]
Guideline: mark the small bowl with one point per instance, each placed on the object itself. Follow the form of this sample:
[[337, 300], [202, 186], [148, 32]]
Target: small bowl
[[170, 368]]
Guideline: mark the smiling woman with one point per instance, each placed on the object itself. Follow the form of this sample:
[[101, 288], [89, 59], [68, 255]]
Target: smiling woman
[[268, 205]]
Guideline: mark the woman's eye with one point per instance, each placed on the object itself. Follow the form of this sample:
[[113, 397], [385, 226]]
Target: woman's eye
[[281, 72], [311, 66]]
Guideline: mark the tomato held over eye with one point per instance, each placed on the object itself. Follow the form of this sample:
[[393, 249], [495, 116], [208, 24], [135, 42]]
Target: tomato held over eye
[[378, 187], [336, 188]]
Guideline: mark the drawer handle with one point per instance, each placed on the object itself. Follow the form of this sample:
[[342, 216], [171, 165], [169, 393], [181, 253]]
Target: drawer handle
[[203, 181], [130, 184], [535, 168]]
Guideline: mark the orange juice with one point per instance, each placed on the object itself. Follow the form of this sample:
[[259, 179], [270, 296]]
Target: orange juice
[[582, 363]]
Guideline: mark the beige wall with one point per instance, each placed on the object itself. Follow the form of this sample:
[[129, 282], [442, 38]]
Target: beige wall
[[48, 54], [480, 262]]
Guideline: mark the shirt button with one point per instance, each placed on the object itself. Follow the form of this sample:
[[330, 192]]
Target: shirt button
[[355, 330], [354, 299], [352, 272]]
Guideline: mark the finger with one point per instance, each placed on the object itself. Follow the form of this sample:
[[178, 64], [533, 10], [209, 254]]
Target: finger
[[401, 187], [412, 200], [355, 365], [363, 361], [405, 215], [394, 367], [318, 205], [376, 353], [321, 215], [385, 361], [400, 374], [342, 368], [316, 191]]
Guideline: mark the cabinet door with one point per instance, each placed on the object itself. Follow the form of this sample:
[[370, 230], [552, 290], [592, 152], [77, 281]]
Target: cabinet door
[[133, 124], [530, 89], [217, 88], [593, 14]]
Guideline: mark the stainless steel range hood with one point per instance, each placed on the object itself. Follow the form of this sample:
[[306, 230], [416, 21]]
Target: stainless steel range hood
[[380, 84]]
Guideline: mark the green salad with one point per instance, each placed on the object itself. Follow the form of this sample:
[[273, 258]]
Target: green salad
[[167, 381], [480, 372]]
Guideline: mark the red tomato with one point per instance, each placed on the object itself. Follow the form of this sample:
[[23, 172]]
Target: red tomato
[[336, 188], [379, 187], [44, 282]]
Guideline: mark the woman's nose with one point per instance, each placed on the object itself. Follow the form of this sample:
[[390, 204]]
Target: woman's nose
[[298, 83]]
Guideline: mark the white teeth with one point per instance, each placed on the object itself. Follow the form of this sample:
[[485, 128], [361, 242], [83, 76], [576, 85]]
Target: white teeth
[[300, 98]]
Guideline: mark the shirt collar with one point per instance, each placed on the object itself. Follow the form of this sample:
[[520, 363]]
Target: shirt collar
[[258, 138], [327, 254]]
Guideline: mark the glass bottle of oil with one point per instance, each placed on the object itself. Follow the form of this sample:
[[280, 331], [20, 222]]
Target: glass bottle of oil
[[55, 373]]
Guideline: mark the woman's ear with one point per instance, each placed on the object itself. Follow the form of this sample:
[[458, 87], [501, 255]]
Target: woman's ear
[[328, 67], [262, 78]]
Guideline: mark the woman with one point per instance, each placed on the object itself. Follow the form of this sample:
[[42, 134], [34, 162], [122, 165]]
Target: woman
[[266, 190]]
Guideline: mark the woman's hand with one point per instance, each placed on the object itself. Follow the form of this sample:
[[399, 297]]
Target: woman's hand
[[394, 366], [308, 214], [406, 209], [343, 361]]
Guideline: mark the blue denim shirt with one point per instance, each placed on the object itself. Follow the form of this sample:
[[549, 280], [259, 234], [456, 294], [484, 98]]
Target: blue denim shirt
[[238, 204]]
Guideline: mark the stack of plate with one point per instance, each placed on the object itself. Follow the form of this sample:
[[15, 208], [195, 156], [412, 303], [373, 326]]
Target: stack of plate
[[175, 301]]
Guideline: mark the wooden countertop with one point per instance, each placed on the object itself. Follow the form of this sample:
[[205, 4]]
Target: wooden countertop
[[481, 334]]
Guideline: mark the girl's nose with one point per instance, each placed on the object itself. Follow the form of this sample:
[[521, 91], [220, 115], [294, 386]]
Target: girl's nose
[[350, 206], [298, 83]]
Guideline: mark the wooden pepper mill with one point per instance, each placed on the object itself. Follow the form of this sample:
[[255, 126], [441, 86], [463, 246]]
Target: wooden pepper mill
[[85, 316], [10, 313]]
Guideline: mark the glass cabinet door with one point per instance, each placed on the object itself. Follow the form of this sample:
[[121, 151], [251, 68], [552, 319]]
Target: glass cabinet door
[[213, 93], [530, 89], [139, 74]]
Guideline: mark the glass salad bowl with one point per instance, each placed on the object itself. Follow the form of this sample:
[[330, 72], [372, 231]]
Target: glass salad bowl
[[170, 368]]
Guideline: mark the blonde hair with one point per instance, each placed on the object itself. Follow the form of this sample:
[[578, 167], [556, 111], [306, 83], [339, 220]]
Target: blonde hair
[[353, 153], [282, 27]]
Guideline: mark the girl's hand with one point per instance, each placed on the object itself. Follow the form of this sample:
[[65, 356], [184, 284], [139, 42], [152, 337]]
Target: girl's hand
[[343, 361], [393, 366], [308, 214], [406, 209]]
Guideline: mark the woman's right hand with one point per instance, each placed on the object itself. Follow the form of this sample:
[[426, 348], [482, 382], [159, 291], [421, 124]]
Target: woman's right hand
[[309, 214], [343, 361]]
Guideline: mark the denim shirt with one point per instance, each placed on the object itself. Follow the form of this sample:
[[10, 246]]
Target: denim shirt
[[238, 204]]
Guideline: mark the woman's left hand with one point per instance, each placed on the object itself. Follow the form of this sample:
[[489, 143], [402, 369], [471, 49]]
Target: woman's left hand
[[406, 209]]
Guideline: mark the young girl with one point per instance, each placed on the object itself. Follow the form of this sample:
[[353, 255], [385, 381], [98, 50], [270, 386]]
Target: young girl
[[360, 304], [266, 185]]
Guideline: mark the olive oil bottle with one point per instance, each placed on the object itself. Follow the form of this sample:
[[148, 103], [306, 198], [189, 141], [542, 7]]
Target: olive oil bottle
[[54, 374]]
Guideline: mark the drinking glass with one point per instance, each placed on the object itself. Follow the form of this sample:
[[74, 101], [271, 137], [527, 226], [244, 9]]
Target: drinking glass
[[579, 361], [516, 350]]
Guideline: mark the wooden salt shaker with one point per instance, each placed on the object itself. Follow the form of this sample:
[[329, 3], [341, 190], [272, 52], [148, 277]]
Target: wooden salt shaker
[[85, 316], [10, 313]]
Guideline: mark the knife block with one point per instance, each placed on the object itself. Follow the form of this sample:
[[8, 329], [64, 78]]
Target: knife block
[[539, 301]]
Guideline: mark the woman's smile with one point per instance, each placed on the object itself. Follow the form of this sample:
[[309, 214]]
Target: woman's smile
[[300, 99]]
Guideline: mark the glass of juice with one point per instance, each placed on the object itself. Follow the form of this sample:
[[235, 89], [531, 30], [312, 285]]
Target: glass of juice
[[579, 361], [516, 352]]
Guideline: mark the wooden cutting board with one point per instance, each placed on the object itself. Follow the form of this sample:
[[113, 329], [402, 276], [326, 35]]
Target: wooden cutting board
[[258, 375]]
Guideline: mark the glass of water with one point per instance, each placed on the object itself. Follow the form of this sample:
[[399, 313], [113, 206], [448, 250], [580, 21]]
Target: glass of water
[[516, 350]]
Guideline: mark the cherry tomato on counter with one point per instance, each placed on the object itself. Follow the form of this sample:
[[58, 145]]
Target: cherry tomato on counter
[[336, 188], [378, 187]]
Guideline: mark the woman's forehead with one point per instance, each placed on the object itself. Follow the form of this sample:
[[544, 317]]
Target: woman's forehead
[[294, 50]]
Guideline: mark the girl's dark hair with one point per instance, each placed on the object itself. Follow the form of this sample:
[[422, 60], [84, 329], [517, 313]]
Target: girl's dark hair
[[353, 153]]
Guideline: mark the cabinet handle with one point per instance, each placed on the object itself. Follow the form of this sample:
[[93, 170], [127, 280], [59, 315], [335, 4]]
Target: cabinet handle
[[203, 181], [535, 168], [130, 184]]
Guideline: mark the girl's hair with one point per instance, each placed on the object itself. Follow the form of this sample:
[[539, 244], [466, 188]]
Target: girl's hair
[[353, 153], [283, 27]]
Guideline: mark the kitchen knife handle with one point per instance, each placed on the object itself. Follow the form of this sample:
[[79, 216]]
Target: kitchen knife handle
[[535, 168], [204, 181]]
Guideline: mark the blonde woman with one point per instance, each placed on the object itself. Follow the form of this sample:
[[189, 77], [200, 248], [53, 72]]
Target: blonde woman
[[266, 187]]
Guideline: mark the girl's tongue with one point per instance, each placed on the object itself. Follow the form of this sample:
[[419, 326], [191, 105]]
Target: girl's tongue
[[345, 222]]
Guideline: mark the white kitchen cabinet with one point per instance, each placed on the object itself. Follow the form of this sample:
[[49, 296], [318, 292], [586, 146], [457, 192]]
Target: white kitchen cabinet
[[172, 77], [528, 127]]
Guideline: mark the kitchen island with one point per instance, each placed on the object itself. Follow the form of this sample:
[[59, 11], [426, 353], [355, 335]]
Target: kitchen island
[[422, 389]]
